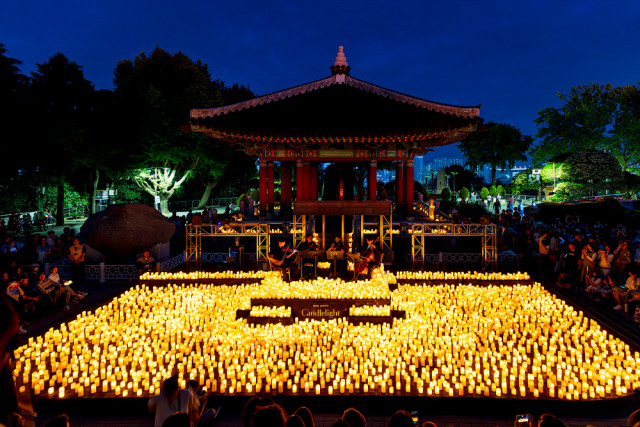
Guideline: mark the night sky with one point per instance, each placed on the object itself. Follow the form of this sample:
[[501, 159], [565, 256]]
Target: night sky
[[513, 57]]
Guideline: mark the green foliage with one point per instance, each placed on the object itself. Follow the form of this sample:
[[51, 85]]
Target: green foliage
[[493, 191], [484, 193], [445, 194], [502, 145], [464, 193], [129, 192], [630, 183], [592, 172], [592, 116], [71, 198], [524, 182], [501, 191], [547, 173], [254, 194]]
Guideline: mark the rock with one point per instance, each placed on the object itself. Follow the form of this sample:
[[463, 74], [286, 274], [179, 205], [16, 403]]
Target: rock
[[125, 230]]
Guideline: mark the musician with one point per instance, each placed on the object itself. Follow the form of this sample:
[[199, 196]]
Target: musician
[[336, 245], [308, 244], [369, 256], [284, 257]]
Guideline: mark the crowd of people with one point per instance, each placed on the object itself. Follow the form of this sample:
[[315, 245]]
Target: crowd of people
[[31, 292], [593, 259]]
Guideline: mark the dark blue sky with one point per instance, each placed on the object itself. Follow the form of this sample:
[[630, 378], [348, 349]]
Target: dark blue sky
[[513, 57]]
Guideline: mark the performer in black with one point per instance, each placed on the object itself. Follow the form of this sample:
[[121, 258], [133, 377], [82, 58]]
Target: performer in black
[[284, 257], [370, 256]]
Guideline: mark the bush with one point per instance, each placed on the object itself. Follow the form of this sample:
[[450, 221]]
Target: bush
[[484, 193], [493, 191], [445, 194], [464, 193], [501, 191]]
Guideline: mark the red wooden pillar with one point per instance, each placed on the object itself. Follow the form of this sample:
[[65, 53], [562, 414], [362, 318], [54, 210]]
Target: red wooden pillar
[[263, 188], [400, 188], [372, 185], [299, 180], [270, 187], [285, 188], [408, 173], [313, 182]]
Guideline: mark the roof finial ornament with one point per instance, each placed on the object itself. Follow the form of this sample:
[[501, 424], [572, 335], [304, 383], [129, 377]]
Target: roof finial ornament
[[340, 66]]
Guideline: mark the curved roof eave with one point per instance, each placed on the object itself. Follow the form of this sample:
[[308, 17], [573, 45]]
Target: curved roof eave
[[467, 112]]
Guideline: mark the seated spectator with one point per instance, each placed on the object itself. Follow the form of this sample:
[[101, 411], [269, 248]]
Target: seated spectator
[[401, 419], [548, 420], [268, 416], [294, 421], [146, 263], [204, 416], [306, 415], [563, 281], [354, 418], [621, 293], [20, 302], [251, 406], [61, 420], [56, 252], [170, 401], [594, 284], [54, 290], [178, 419], [607, 289]]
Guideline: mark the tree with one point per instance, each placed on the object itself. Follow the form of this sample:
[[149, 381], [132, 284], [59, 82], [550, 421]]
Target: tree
[[593, 116], [501, 145], [524, 182], [445, 194], [155, 93], [484, 193], [591, 172], [493, 191], [61, 99], [464, 193]]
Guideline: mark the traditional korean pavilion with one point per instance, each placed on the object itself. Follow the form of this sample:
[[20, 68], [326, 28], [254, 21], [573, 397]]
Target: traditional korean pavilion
[[335, 119]]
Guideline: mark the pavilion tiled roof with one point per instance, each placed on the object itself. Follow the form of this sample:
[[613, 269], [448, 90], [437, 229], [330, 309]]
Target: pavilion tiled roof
[[339, 79]]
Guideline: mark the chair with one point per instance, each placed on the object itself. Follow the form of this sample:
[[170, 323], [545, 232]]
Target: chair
[[284, 271]]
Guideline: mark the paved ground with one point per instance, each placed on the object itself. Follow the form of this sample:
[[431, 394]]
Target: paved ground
[[325, 414]]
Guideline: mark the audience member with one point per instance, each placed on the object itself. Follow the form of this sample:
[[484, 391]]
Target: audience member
[[306, 415], [170, 401], [354, 418], [401, 419]]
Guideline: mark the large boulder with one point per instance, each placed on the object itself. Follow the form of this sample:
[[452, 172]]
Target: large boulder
[[125, 230]]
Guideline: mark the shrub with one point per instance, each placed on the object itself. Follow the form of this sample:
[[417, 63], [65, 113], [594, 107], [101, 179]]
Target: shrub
[[445, 194], [484, 193], [464, 193]]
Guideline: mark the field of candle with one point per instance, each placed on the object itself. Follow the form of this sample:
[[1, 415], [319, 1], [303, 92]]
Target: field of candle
[[456, 340]]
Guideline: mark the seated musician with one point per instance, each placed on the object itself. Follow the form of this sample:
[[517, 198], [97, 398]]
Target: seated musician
[[369, 257], [307, 244], [284, 257], [336, 245]]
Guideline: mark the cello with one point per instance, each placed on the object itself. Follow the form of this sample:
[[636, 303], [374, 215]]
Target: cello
[[367, 256]]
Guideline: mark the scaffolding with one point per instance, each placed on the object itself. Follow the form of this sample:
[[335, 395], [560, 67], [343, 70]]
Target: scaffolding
[[488, 233], [260, 231]]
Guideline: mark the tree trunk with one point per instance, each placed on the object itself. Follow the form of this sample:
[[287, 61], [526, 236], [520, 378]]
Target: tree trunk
[[208, 187], [493, 175], [164, 205], [93, 191], [60, 204]]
